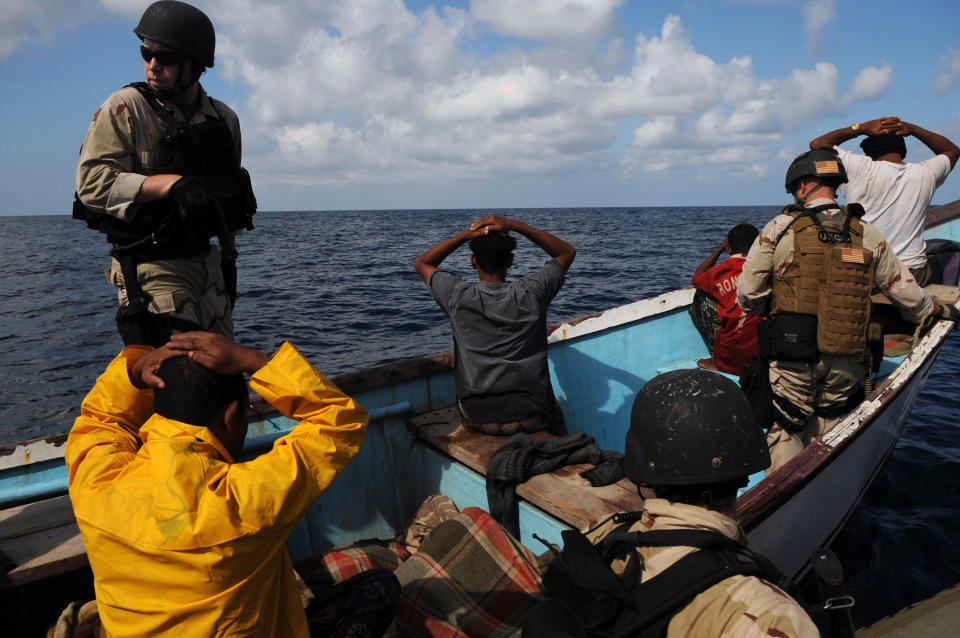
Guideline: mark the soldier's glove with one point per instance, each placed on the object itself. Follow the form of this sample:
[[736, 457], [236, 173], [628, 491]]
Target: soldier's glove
[[949, 311], [193, 200]]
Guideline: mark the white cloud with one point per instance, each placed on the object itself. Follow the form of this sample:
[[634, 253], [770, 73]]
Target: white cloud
[[870, 83], [949, 78], [670, 76], [817, 14], [353, 92], [26, 22], [547, 19]]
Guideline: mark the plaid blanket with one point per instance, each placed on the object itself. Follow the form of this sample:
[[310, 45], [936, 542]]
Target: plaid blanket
[[469, 579]]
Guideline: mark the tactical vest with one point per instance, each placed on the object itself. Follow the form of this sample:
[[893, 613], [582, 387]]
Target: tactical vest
[[587, 599], [831, 277], [158, 231]]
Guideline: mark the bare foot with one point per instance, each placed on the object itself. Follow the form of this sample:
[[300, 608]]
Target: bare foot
[[709, 364]]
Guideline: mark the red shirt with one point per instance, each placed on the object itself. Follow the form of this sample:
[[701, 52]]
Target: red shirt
[[736, 341]]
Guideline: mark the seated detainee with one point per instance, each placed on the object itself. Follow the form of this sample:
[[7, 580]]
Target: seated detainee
[[735, 341], [694, 441], [183, 540], [500, 328]]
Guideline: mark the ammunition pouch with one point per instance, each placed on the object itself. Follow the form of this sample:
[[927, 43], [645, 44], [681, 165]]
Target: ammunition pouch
[[755, 382], [788, 336]]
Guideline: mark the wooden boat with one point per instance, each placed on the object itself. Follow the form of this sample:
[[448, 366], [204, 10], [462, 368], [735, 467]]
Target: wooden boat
[[415, 446]]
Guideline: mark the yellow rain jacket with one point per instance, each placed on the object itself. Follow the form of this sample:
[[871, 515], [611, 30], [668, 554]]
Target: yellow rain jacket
[[183, 541]]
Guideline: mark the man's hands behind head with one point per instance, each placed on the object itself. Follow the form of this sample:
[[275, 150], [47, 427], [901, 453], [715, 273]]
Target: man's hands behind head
[[218, 353], [210, 350]]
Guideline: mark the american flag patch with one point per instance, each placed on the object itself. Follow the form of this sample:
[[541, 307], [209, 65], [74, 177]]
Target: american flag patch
[[827, 166], [852, 255]]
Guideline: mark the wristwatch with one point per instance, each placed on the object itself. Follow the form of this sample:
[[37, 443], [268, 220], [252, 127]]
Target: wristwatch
[[855, 127]]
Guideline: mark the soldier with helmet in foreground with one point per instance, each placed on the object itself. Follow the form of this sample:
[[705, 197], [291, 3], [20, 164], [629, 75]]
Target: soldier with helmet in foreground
[[160, 174], [693, 441], [812, 269]]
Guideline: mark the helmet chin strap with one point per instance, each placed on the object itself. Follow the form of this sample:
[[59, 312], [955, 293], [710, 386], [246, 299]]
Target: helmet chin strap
[[802, 201], [181, 85]]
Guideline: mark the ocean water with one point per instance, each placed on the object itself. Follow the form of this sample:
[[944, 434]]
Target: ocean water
[[341, 286]]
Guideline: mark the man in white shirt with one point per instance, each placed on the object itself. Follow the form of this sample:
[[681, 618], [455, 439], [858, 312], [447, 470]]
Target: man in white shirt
[[895, 194]]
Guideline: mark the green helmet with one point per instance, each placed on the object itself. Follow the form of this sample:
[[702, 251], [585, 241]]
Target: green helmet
[[692, 427], [181, 26], [823, 164]]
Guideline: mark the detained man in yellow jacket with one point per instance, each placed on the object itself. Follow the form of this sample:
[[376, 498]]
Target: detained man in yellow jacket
[[184, 541]]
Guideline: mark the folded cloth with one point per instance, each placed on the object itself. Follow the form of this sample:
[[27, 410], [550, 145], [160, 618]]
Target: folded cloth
[[470, 579], [524, 456], [363, 605], [78, 620]]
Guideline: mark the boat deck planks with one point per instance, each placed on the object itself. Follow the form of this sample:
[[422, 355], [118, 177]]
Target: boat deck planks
[[941, 293], [937, 616], [562, 493], [42, 539]]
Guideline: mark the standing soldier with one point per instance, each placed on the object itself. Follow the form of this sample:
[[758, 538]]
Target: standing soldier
[[812, 269], [160, 175]]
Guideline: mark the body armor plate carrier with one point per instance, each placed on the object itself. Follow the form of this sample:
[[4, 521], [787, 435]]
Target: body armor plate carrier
[[831, 278], [158, 230]]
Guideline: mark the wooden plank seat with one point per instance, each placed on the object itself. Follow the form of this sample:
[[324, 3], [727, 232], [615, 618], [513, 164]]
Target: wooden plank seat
[[562, 493], [941, 293], [41, 539]]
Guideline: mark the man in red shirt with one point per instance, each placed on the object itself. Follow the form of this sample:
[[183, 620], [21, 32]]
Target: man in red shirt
[[735, 342]]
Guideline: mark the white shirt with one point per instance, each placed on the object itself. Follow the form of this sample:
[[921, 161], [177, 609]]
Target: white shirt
[[895, 198]]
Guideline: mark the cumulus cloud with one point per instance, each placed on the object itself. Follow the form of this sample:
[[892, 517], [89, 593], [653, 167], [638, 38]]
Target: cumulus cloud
[[26, 22], [352, 92], [817, 14], [547, 19], [949, 78], [870, 83]]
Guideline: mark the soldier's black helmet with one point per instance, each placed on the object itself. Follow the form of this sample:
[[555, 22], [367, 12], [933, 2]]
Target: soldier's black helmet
[[693, 427], [181, 26], [823, 164]]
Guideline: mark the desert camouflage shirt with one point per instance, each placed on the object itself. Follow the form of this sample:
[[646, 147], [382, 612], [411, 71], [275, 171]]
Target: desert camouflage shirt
[[741, 606], [123, 147], [768, 259]]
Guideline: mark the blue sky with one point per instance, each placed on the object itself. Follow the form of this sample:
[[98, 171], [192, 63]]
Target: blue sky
[[374, 104]]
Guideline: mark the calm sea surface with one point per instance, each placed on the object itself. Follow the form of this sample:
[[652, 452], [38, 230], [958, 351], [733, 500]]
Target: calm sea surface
[[341, 286]]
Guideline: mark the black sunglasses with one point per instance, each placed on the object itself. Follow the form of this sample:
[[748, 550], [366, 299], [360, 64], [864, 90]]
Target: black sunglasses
[[164, 58]]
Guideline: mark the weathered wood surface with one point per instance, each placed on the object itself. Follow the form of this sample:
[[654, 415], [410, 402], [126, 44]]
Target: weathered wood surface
[[42, 539], [941, 293], [562, 493]]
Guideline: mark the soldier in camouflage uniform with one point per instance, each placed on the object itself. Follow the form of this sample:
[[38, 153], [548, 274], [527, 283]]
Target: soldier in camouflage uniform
[[160, 174], [815, 265]]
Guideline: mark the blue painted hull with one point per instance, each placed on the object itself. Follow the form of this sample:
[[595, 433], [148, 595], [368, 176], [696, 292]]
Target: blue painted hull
[[597, 365]]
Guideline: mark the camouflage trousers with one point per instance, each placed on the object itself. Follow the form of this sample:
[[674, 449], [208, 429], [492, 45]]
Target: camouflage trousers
[[189, 288], [803, 388]]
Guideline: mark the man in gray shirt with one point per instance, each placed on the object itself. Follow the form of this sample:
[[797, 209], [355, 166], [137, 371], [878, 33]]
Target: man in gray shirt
[[500, 328]]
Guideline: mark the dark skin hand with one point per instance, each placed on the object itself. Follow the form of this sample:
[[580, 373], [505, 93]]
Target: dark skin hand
[[210, 350], [711, 261], [873, 127], [430, 260], [934, 141]]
